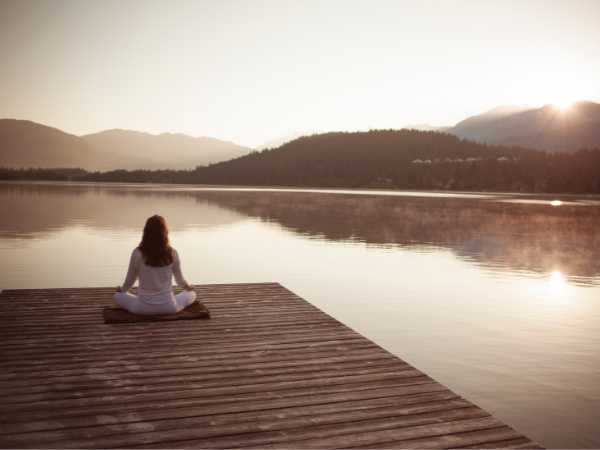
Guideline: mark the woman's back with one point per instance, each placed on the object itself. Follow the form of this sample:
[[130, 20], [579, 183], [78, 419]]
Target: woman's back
[[153, 279]]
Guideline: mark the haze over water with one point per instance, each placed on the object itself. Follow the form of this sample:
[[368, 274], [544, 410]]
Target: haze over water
[[494, 295]]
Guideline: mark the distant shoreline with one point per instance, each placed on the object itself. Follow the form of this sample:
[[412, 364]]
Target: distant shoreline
[[312, 189], [379, 159]]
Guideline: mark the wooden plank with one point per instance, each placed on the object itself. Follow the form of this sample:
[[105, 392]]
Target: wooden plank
[[497, 437], [475, 439], [95, 375], [177, 354], [106, 407], [200, 433], [207, 365], [82, 387], [145, 331], [18, 404], [226, 424], [165, 356], [177, 412], [389, 433], [350, 346], [228, 327], [87, 386], [334, 432], [209, 336], [268, 370]]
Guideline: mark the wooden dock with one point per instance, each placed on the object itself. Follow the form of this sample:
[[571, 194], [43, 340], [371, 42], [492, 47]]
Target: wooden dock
[[269, 370]]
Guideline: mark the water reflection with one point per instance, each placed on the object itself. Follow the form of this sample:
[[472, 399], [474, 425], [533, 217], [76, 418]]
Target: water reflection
[[521, 235], [31, 210], [522, 238], [557, 281]]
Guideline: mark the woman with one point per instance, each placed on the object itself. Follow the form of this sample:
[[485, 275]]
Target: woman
[[155, 262]]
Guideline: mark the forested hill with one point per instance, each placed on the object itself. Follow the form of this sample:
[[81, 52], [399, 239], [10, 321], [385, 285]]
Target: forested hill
[[395, 159], [356, 159]]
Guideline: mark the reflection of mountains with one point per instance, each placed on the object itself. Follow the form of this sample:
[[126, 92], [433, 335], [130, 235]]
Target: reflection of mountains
[[31, 209], [497, 235]]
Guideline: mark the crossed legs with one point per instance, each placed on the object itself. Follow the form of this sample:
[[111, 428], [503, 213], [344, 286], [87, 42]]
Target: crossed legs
[[135, 305]]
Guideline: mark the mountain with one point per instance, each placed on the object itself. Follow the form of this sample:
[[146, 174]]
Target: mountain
[[28, 144], [546, 128], [472, 124], [126, 149]]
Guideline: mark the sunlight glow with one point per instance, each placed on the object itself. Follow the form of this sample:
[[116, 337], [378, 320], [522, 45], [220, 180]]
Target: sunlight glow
[[560, 90], [556, 203], [557, 281], [564, 105]]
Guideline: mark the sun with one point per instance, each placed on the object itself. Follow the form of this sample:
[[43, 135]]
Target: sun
[[564, 104], [561, 90]]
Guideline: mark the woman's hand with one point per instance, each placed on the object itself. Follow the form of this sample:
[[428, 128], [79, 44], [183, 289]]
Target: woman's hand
[[119, 289], [187, 287]]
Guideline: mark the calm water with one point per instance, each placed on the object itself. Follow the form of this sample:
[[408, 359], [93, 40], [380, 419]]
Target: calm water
[[496, 296]]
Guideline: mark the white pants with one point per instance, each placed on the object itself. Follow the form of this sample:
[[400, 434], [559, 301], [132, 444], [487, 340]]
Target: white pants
[[163, 304]]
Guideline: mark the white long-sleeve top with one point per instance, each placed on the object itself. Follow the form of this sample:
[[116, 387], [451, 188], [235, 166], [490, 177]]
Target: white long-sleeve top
[[155, 282]]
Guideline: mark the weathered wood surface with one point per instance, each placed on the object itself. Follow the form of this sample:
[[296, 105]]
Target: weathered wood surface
[[268, 370]]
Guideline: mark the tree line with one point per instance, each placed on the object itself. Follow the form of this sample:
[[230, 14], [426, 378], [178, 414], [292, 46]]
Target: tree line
[[395, 159]]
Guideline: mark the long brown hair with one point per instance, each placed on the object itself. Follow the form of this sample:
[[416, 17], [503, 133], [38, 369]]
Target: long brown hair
[[155, 246]]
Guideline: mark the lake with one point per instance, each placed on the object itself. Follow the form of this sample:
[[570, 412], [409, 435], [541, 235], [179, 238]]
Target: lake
[[497, 296]]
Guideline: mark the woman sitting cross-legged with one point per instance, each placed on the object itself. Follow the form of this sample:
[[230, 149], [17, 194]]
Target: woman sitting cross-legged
[[155, 262]]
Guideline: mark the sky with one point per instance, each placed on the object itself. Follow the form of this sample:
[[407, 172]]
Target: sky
[[252, 71]]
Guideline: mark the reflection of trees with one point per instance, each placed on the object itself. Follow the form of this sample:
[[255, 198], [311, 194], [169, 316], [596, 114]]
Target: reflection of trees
[[31, 209], [498, 235]]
